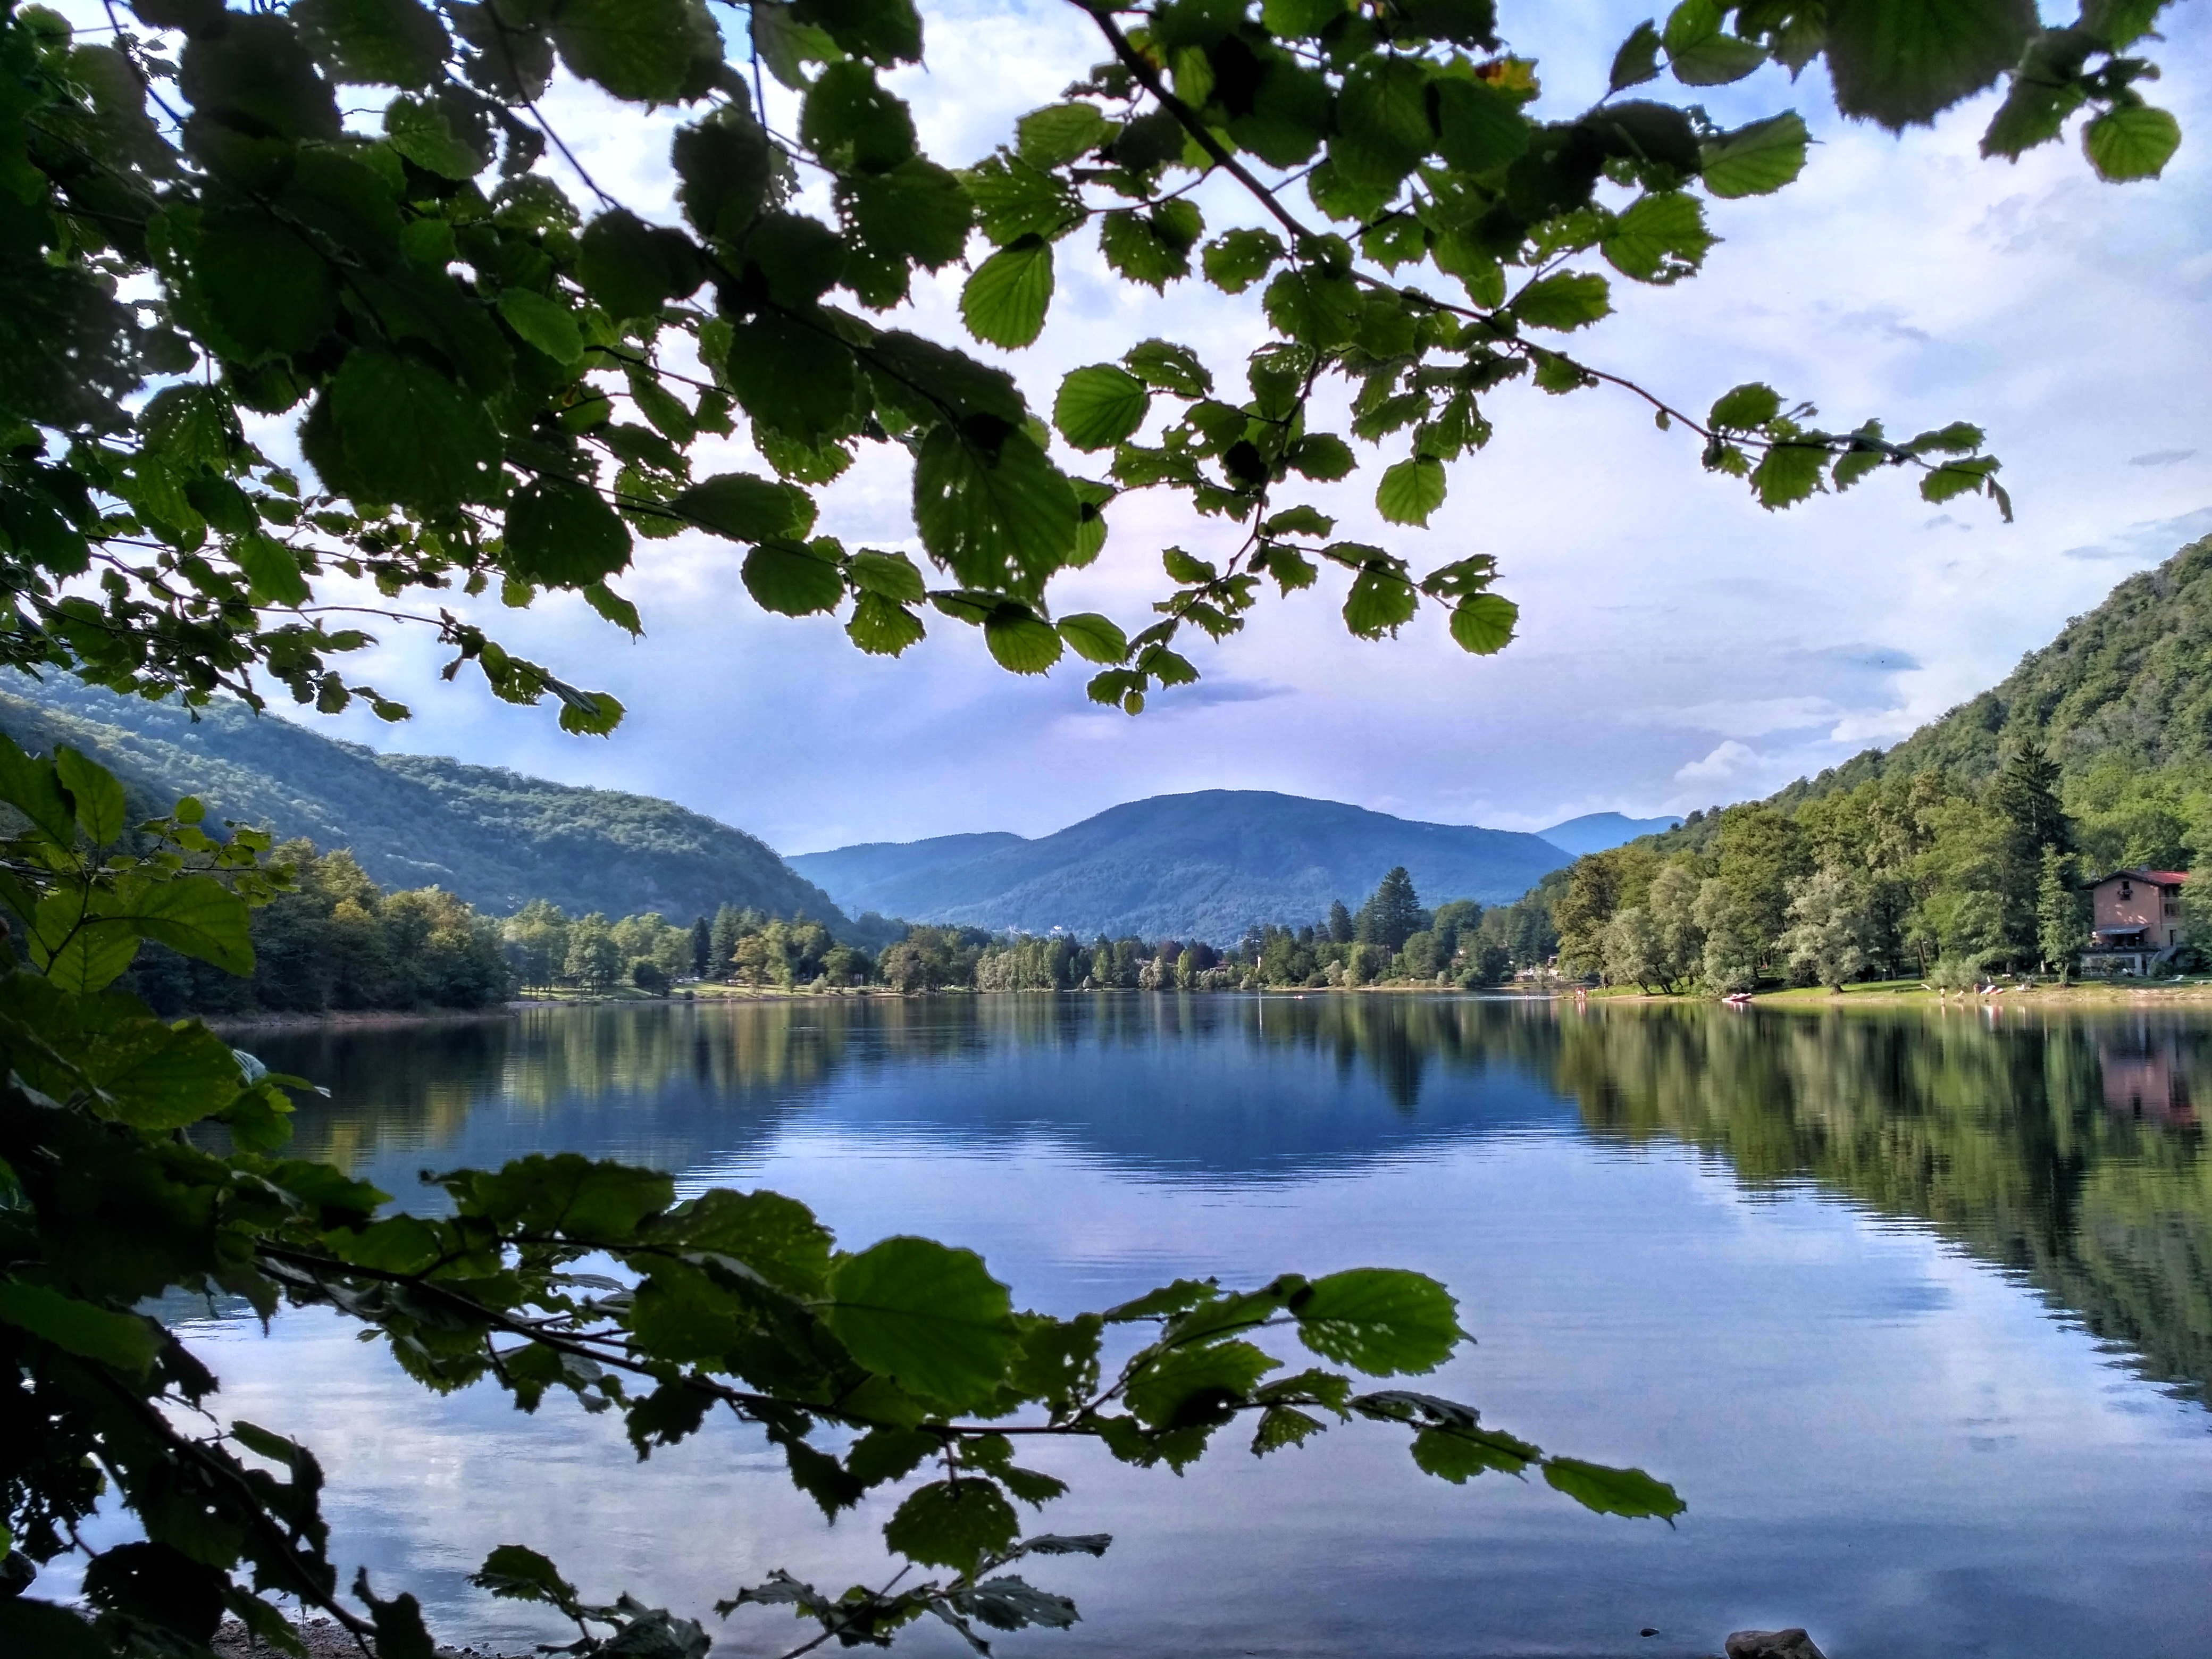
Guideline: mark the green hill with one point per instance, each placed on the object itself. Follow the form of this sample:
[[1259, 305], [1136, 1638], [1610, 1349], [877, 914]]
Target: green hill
[[2131, 680], [1204, 866], [491, 836]]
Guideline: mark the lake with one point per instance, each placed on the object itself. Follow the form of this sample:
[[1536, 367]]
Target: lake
[[1914, 1309]]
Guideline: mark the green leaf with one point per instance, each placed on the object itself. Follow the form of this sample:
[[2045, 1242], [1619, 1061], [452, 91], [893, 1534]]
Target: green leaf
[[851, 121], [1483, 624], [1901, 61], [640, 50], [1757, 160], [1153, 248], [746, 508], [1411, 491], [2132, 141], [630, 267], [1321, 457], [1236, 259], [1012, 199], [793, 376], [523, 1575], [1612, 1492], [1167, 366], [1379, 1320], [883, 31], [1637, 60], [1020, 641], [398, 43], [1458, 1454], [882, 627], [1000, 518], [1380, 602], [1096, 638], [407, 434], [1300, 18], [792, 579], [33, 787], [930, 1318], [1565, 300], [1381, 121], [266, 289], [560, 534], [1746, 408], [1716, 60], [419, 130], [123, 1341], [1191, 1386], [1058, 133], [1280, 1426], [272, 571], [1004, 303], [196, 916], [1661, 237], [545, 324], [94, 796], [1099, 406], [1480, 127], [953, 1524], [917, 211], [1789, 473]]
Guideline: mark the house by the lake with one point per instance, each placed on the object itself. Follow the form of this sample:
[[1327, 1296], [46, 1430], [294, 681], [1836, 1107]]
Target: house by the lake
[[2136, 921]]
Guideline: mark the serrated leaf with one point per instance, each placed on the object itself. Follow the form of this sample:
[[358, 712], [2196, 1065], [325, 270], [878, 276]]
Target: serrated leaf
[[1380, 602], [1377, 1319], [1789, 473], [2134, 141], [1458, 1454], [1757, 160], [406, 433], [746, 508], [560, 534], [1483, 624], [1745, 408], [1003, 519], [1236, 259], [1058, 133], [1199, 1385], [1716, 60], [1280, 1426], [882, 627], [1901, 62], [1411, 491], [952, 1524], [95, 798], [523, 1575], [1612, 1492], [930, 1318], [1661, 237], [1020, 641], [1321, 457], [792, 579], [397, 43], [639, 50], [1005, 301], [1565, 300], [1151, 247], [1095, 638], [1099, 406], [1637, 60], [272, 571], [123, 1341]]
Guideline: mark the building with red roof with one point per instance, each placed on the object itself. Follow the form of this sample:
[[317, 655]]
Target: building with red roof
[[2135, 921]]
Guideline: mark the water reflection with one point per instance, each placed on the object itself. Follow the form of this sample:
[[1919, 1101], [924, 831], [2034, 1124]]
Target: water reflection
[[1750, 1252], [2066, 1149]]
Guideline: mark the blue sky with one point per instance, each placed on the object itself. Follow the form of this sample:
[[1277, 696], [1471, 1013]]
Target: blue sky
[[1678, 647]]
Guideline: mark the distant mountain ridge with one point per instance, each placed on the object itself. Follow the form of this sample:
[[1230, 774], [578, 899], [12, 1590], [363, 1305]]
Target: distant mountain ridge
[[1593, 832], [1204, 866], [494, 837]]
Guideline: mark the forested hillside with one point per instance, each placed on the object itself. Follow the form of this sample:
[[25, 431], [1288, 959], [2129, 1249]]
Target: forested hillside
[[491, 837], [1205, 867], [2131, 681]]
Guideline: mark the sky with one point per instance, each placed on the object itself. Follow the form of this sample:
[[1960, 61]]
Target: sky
[[1680, 647]]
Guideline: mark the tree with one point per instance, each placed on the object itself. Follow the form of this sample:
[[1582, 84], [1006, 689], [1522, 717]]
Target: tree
[[492, 391], [1634, 953], [2060, 932], [2025, 796], [1340, 923], [1824, 940], [1672, 901], [703, 947], [1392, 913], [594, 960]]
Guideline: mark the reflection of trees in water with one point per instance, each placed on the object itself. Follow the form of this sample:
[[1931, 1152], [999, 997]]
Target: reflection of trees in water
[[2067, 1150]]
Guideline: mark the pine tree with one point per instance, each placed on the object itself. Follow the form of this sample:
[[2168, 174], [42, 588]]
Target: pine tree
[[722, 939], [2025, 794], [2058, 930], [703, 947], [1393, 912], [1340, 923]]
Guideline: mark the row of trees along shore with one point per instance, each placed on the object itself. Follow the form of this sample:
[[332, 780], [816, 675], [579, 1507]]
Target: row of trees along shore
[[1924, 876], [335, 940]]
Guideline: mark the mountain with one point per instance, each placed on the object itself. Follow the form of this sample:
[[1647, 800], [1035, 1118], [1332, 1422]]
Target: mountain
[[1204, 866], [2130, 680], [1593, 832], [492, 836]]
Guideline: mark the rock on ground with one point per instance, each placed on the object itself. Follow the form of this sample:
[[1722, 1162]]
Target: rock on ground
[[1772, 1645]]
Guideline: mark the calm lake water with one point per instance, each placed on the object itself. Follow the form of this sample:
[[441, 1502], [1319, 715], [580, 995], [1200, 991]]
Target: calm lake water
[[1915, 1311]]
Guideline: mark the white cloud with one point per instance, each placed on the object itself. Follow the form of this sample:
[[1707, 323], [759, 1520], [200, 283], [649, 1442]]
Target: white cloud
[[1904, 277]]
